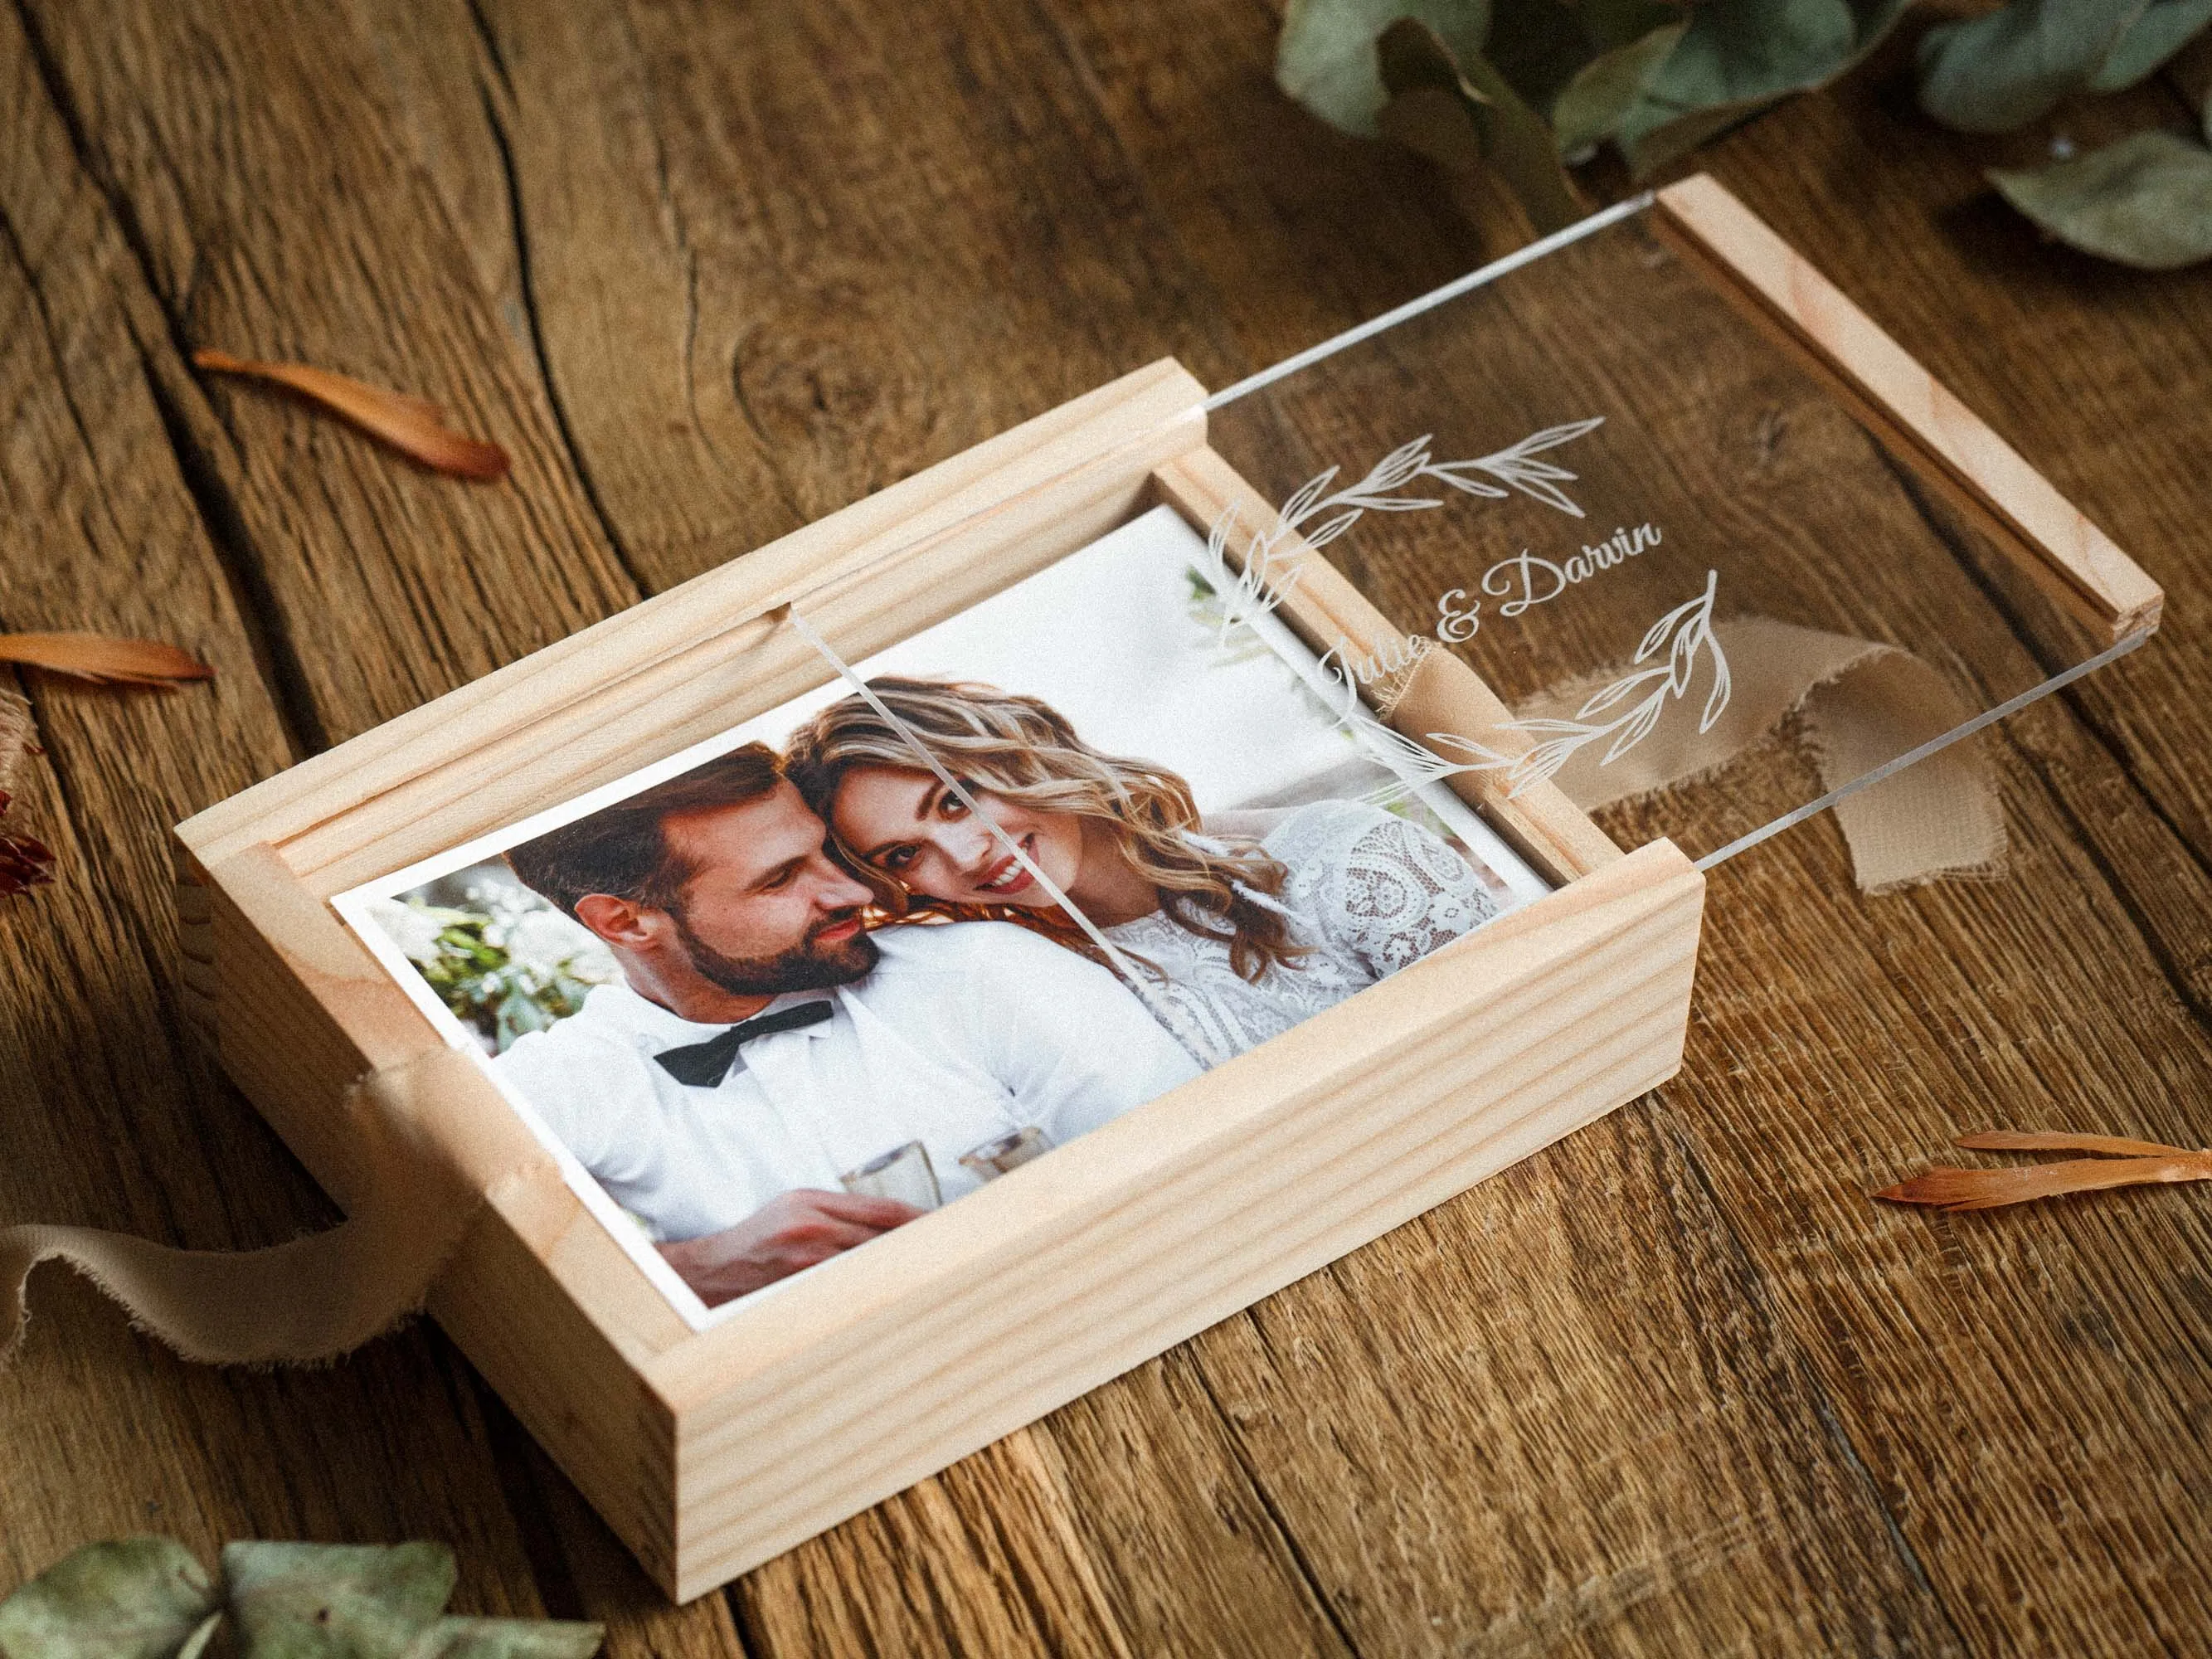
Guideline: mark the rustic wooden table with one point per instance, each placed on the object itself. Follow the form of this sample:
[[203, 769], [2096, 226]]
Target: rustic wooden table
[[712, 271]]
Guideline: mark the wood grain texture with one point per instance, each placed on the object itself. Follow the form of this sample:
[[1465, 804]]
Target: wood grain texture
[[270, 230], [732, 362], [112, 1114], [1978, 1433], [1002, 1518]]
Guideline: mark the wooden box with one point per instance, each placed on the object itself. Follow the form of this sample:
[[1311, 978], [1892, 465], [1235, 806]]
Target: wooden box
[[710, 1450]]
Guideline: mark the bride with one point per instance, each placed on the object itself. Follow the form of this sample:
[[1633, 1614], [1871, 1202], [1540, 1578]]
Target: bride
[[1239, 936]]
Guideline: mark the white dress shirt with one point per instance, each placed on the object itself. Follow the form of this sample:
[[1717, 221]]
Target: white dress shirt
[[963, 1033]]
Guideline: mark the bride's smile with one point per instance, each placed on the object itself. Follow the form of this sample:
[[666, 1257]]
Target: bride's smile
[[1009, 876]]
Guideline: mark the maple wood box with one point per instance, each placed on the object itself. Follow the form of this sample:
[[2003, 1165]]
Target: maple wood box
[[710, 1450]]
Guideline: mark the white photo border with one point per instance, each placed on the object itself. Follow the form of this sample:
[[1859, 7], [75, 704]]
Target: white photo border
[[354, 907]]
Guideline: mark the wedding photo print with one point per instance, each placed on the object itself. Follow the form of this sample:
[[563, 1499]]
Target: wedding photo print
[[970, 899]]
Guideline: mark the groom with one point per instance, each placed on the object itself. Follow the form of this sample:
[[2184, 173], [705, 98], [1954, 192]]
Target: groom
[[762, 1044]]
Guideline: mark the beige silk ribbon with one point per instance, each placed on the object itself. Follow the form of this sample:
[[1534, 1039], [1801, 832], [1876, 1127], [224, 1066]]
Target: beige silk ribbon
[[1857, 704], [432, 1159]]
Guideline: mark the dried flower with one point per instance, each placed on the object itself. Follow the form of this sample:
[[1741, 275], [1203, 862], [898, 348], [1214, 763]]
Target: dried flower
[[104, 660], [2117, 1163], [413, 425], [25, 862]]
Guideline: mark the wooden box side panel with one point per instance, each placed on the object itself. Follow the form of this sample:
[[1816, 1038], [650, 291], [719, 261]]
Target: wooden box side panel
[[691, 662], [2071, 558], [515, 1306], [882, 1369], [539, 1295], [301, 1012]]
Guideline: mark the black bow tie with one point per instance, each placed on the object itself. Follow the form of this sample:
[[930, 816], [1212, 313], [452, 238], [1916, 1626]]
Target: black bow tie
[[704, 1065]]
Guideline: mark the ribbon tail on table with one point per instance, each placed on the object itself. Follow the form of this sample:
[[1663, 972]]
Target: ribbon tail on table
[[317, 1297]]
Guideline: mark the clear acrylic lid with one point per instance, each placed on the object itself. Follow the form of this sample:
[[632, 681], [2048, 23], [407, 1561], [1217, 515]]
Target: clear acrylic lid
[[1721, 577]]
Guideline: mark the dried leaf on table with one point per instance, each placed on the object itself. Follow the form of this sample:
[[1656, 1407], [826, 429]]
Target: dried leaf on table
[[2123, 1163], [146, 1598], [365, 1601], [345, 1598], [136, 1598], [414, 426], [104, 660], [25, 861], [2145, 201], [2058, 1140]]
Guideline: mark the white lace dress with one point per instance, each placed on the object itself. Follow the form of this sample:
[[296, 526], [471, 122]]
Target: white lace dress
[[1368, 892]]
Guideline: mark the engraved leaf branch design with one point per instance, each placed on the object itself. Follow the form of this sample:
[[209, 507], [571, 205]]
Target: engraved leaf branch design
[[1679, 640], [1275, 556], [1517, 468], [1274, 564]]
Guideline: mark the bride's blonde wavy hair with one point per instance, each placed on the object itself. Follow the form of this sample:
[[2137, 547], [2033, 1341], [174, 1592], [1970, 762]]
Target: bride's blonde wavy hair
[[1024, 750]]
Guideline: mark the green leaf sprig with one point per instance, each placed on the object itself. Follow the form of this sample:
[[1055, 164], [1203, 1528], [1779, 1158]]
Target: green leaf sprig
[[1529, 88], [148, 1598]]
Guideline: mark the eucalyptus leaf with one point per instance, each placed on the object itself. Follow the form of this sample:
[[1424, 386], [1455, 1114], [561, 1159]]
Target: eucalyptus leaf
[[1738, 57], [135, 1598], [2145, 201], [1420, 69], [1541, 46], [1594, 103], [335, 1600], [1994, 73], [1435, 122], [2163, 29], [1538, 45], [506, 1638], [1325, 57]]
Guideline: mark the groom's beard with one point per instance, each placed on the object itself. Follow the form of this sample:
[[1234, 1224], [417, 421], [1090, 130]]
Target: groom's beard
[[808, 965]]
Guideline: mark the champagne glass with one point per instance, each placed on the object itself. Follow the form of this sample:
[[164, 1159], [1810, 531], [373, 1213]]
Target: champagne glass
[[1009, 1151], [904, 1173]]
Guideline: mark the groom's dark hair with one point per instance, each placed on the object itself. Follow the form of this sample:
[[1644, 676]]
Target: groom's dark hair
[[623, 850]]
